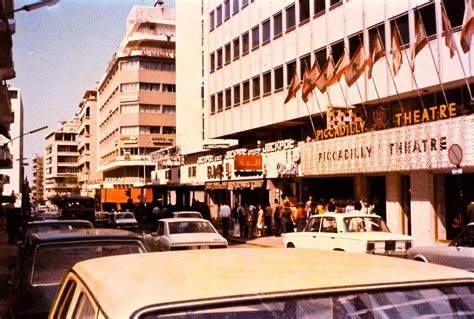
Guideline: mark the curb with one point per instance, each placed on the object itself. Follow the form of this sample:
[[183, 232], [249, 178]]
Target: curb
[[252, 243]]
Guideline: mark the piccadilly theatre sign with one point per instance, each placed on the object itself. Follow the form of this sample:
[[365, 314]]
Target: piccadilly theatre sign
[[417, 147]]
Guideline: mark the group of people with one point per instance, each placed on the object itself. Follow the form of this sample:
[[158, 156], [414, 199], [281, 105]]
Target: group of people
[[266, 220]]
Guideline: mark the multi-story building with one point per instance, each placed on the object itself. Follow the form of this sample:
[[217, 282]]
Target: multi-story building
[[60, 160], [390, 137], [15, 144], [136, 105], [87, 142], [37, 184]]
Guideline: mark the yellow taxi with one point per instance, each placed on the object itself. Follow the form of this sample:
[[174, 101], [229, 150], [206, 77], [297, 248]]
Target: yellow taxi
[[262, 283]]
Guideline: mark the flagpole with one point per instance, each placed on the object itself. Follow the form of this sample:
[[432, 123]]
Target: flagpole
[[390, 71], [305, 77], [361, 99], [310, 119], [319, 105], [411, 67], [373, 80], [432, 56]]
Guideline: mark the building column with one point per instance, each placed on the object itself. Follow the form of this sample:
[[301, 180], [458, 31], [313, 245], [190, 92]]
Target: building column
[[393, 206], [422, 208]]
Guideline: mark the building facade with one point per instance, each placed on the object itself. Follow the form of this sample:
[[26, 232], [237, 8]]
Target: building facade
[[393, 137], [61, 160], [37, 184], [136, 106]]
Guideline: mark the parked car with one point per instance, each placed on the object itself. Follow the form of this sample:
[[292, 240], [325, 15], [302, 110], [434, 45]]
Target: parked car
[[459, 253], [353, 232], [123, 220], [192, 214], [48, 215], [102, 219], [263, 283], [48, 257], [185, 233]]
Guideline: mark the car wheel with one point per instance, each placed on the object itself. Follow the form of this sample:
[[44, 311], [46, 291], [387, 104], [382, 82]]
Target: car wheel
[[420, 259], [339, 249], [290, 245]]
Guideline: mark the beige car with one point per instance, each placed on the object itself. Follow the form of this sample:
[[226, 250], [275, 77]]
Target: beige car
[[262, 283]]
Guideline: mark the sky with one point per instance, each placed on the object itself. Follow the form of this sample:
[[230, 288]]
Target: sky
[[59, 52]]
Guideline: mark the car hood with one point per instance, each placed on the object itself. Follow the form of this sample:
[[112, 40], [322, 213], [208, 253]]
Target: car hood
[[358, 235], [197, 238]]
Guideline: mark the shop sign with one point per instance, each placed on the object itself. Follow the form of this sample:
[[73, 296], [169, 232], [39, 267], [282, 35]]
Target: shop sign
[[215, 171], [430, 114], [248, 162], [279, 146]]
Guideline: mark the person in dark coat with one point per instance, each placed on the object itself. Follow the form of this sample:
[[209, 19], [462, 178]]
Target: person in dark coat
[[287, 219], [276, 217]]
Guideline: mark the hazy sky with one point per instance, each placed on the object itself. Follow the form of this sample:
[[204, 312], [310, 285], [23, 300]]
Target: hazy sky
[[60, 52]]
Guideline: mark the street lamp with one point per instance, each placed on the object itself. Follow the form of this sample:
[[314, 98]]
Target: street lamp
[[36, 5], [30, 132]]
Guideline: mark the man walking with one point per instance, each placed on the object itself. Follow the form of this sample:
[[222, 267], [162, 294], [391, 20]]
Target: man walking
[[224, 214]]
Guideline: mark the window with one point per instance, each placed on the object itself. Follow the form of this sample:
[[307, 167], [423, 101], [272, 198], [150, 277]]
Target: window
[[129, 87], [127, 109], [151, 130], [228, 98], [266, 31], [278, 77], [129, 130], [267, 83], [245, 43], [290, 17], [226, 9], [65, 299], [374, 32], [150, 108], [218, 16], [84, 308], [290, 70], [429, 20], [321, 56], [354, 42], [220, 101], [169, 130], [334, 3], [319, 6], [329, 225], [256, 87], [211, 63], [255, 37], [246, 91], [236, 44], [277, 24], [235, 7], [227, 53], [402, 23], [168, 88], [219, 58], [337, 49], [213, 104], [211, 21], [455, 10], [305, 63], [236, 94], [304, 10], [169, 109], [245, 3]]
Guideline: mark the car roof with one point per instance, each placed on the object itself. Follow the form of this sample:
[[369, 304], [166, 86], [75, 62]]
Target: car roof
[[219, 273], [187, 211], [59, 222], [83, 234], [183, 219]]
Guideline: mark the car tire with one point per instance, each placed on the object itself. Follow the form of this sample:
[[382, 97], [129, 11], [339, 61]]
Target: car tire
[[290, 245], [420, 259]]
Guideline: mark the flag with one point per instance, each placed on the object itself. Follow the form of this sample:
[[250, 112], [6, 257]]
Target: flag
[[376, 53], [294, 87], [339, 69], [397, 59], [420, 40], [356, 66], [326, 72], [467, 27], [309, 81], [448, 35]]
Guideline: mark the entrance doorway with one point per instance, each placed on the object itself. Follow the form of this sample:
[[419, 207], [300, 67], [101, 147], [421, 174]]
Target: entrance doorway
[[377, 194]]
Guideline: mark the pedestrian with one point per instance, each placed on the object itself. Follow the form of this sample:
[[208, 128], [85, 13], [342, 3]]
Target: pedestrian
[[312, 209], [242, 221], [268, 219], [300, 217], [260, 220], [276, 217], [235, 221], [331, 207], [349, 206], [287, 218], [321, 208], [224, 214], [366, 207], [251, 220], [308, 203]]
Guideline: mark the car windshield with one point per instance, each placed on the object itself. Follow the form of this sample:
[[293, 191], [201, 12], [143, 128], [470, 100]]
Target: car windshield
[[365, 224], [52, 261], [124, 216], [431, 302], [190, 227]]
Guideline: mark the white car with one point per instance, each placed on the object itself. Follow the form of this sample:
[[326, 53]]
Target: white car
[[123, 220], [351, 232], [182, 214], [183, 234]]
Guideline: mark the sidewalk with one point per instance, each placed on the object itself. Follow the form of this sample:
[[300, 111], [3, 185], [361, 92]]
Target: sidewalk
[[7, 255], [264, 242]]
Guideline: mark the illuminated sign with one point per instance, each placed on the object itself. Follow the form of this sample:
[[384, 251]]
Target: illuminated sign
[[248, 162]]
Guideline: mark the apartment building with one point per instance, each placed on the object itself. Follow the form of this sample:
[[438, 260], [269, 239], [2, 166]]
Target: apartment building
[[387, 132], [61, 160], [136, 105], [37, 184]]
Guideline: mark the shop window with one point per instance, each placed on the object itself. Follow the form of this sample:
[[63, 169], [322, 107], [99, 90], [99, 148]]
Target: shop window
[[278, 78], [211, 63], [246, 91], [305, 63], [255, 37], [218, 16], [290, 70], [256, 87], [211, 21], [290, 17], [228, 98], [220, 101], [236, 45], [354, 42], [213, 104], [375, 32], [266, 31], [337, 50], [235, 7], [427, 14], [304, 10], [321, 56], [455, 10], [267, 83], [402, 23], [245, 43], [319, 7], [226, 9], [236, 95], [227, 53], [277, 24], [219, 58]]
